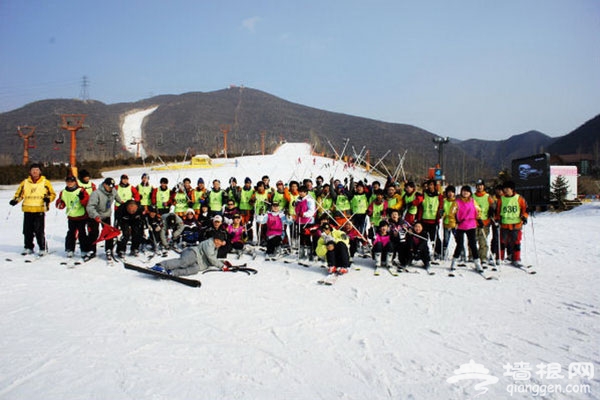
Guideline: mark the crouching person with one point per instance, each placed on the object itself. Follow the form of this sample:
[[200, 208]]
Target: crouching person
[[197, 258], [336, 245]]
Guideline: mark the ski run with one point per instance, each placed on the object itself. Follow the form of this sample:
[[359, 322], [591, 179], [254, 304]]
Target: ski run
[[105, 332]]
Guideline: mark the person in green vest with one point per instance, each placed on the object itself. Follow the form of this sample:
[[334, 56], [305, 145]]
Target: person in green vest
[[485, 203], [216, 198], [411, 200], [359, 204], [278, 195], [145, 191], [377, 210], [325, 202], [246, 207], [512, 214], [93, 229], [199, 196], [341, 202], [233, 191], [84, 181], [393, 198], [430, 212], [182, 197], [126, 191], [73, 200], [161, 197], [448, 218]]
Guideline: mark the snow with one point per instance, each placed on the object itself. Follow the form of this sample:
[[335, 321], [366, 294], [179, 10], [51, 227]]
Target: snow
[[103, 332], [132, 130]]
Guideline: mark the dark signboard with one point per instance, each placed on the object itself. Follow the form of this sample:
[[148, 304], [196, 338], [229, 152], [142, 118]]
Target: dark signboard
[[532, 178]]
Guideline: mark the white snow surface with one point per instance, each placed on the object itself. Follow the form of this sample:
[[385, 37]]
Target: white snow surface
[[132, 130], [101, 332]]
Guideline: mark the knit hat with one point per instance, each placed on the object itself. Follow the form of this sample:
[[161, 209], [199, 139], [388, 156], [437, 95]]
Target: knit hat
[[109, 182]]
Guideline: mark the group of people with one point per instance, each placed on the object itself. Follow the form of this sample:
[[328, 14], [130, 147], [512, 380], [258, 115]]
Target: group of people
[[393, 223]]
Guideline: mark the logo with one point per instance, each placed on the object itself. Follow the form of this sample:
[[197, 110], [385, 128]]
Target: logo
[[475, 372]]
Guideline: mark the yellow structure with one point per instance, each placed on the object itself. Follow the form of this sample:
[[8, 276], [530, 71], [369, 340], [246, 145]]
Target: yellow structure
[[201, 160]]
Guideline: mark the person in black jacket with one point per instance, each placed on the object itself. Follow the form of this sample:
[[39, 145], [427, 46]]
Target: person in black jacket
[[129, 219]]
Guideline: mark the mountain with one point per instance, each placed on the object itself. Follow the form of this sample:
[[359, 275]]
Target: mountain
[[193, 121], [585, 139], [499, 153]]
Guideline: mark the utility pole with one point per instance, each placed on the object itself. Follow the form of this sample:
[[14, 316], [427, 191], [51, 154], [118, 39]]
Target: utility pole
[[73, 123], [26, 133], [225, 130]]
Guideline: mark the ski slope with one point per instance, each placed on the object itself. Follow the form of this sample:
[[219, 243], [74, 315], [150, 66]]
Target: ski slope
[[103, 332]]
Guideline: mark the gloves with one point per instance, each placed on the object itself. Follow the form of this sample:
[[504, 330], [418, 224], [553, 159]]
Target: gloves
[[47, 200], [524, 220], [13, 202], [226, 266]]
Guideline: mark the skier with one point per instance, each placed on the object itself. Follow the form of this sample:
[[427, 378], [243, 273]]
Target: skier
[[305, 210], [216, 227], [161, 197], [411, 200], [191, 229], [182, 197], [383, 249], [215, 198], [92, 228], [466, 212], [419, 249], [154, 225], [145, 191], [74, 199], [236, 235], [512, 214], [485, 203], [129, 219], [275, 221], [337, 252], [126, 191], [429, 214], [233, 192], [171, 222], [448, 219], [199, 196], [196, 258], [37, 193], [99, 208]]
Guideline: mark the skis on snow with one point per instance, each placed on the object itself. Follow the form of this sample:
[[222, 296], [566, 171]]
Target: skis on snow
[[162, 275]]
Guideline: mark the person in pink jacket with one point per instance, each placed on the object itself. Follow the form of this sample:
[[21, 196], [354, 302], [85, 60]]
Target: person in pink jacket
[[466, 213]]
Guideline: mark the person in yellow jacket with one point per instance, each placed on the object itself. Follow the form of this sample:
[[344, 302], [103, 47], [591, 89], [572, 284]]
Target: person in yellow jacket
[[37, 193]]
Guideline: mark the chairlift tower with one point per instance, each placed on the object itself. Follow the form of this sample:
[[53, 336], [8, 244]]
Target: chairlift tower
[[26, 133], [262, 141], [73, 123], [225, 130]]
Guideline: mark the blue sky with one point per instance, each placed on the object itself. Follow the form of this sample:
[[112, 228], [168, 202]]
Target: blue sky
[[465, 69]]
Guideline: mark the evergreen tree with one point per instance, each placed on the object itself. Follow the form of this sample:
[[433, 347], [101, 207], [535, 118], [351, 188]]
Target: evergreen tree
[[559, 191]]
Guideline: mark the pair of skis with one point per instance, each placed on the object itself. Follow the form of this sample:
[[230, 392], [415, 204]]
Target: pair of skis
[[187, 281]]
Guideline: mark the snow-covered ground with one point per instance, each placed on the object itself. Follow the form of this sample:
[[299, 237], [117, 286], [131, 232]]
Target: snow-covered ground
[[103, 332], [132, 131]]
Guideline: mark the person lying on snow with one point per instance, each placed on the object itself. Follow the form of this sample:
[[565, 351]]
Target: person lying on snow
[[197, 258]]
